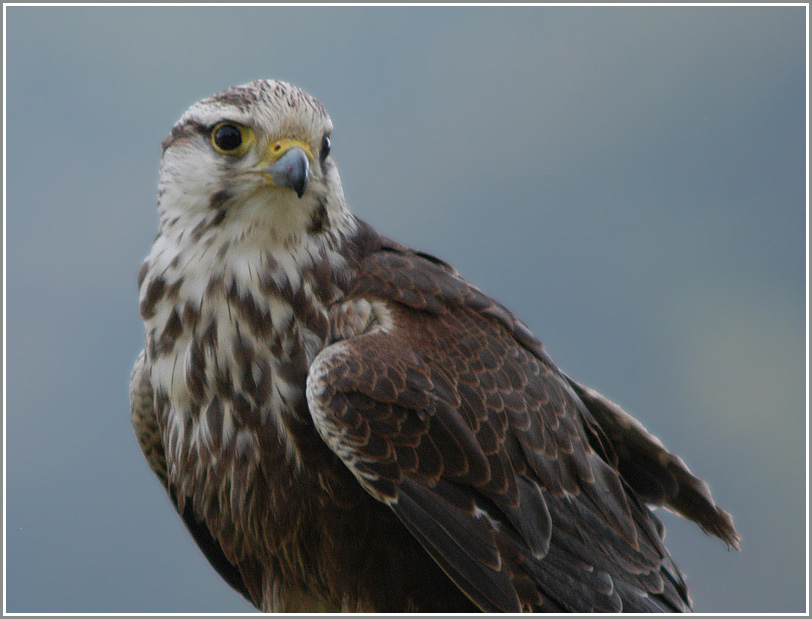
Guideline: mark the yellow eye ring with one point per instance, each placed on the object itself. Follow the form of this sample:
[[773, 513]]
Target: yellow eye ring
[[231, 138]]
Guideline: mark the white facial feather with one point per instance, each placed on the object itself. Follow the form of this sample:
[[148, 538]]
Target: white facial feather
[[194, 175]]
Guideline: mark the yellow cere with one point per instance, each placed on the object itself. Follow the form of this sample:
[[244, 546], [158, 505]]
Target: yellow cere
[[280, 147]]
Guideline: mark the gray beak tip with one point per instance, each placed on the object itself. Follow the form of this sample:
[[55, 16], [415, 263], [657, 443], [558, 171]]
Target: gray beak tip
[[292, 170]]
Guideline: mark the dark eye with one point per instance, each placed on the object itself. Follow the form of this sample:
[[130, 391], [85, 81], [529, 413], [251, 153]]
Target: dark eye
[[232, 139], [325, 147], [227, 137]]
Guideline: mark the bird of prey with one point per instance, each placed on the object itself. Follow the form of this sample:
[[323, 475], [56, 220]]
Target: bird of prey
[[346, 424]]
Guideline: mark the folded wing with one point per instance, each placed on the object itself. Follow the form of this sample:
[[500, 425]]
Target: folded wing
[[450, 412]]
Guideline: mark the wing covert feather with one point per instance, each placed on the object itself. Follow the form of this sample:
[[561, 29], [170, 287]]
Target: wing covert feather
[[404, 410]]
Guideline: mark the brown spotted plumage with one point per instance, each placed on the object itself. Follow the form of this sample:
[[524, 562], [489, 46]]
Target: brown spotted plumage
[[346, 424]]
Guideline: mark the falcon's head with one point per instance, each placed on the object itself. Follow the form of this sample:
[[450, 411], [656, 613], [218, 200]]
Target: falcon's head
[[256, 158]]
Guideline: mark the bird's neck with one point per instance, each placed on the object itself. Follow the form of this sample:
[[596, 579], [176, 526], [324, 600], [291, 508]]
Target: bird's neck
[[254, 246]]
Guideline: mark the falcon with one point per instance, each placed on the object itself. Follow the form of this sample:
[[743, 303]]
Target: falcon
[[346, 424]]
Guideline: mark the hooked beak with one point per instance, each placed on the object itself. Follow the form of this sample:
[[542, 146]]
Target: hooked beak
[[291, 165]]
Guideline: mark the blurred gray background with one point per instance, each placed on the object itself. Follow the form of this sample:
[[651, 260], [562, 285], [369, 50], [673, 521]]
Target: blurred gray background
[[629, 180]]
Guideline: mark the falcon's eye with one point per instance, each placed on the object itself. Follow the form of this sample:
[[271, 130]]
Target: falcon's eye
[[325, 147], [231, 138]]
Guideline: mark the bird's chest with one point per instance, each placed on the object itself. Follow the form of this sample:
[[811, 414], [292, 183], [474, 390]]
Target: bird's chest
[[229, 372]]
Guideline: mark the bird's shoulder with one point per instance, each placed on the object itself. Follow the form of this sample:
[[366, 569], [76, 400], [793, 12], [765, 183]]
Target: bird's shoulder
[[408, 278]]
